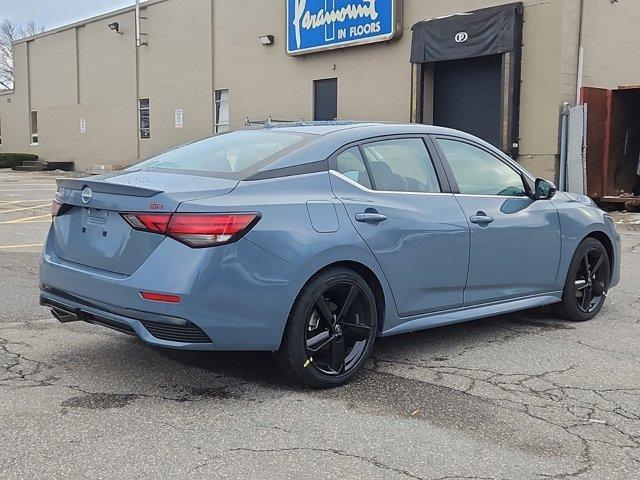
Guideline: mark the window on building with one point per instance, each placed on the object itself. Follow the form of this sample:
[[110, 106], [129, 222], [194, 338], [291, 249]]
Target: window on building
[[478, 172], [143, 115], [33, 122], [221, 101], [401, 165]]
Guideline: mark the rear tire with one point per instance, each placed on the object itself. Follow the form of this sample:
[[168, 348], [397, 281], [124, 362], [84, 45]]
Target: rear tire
[[330, 331], [587, 283]]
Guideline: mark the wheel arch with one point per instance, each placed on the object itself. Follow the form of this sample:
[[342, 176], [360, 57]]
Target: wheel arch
[[369, 276], [604, 239]]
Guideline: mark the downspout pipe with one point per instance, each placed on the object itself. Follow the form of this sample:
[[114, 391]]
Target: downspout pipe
[[580, 64], [564, 136], [138, 36]]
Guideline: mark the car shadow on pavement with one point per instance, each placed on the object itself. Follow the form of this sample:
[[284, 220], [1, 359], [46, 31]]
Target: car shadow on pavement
[[455, 339], [447, 341], [136, 364]]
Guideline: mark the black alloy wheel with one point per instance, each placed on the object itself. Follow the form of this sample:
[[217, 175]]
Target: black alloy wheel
[[331, 329], [591, 281], [338, 328], [587, 282]]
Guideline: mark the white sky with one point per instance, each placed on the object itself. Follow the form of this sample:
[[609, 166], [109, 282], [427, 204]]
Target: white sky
[[55, 13]]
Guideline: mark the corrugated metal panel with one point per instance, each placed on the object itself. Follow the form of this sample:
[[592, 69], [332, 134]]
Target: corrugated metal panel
[[576, 146], [468, 96]]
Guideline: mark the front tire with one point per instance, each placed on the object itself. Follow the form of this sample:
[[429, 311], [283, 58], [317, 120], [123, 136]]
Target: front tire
[[331, 329], [587, 282]]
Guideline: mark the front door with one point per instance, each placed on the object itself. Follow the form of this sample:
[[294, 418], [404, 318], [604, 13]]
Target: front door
[[515, 241], [414, 227]]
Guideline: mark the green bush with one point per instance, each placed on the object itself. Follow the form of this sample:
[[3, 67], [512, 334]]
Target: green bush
[[12, 160]]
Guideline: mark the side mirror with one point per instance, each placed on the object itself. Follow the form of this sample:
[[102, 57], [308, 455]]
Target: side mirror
[[544, 189]]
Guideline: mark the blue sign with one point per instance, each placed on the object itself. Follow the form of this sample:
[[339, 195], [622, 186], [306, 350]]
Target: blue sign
[[315, 25]]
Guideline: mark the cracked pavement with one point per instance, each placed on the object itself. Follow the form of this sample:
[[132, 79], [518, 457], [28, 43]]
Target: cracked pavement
[[521, 396]]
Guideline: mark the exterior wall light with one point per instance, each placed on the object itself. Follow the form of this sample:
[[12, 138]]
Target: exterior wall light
[[115, 27], [266, 39]]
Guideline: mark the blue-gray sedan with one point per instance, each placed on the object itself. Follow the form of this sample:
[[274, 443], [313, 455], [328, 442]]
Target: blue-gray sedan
[[313, 240]]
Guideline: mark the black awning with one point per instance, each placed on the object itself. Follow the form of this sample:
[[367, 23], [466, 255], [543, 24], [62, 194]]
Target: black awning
[[488, 31]]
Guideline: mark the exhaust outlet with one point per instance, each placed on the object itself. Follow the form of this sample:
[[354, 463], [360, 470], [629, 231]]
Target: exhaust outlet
[[64, 316]]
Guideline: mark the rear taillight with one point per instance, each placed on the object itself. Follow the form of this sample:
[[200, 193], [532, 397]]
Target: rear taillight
[[150, 222], [195, 229], [58, 208]]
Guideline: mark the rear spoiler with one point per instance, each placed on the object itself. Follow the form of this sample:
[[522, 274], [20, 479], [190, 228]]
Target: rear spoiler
[[105, 187]]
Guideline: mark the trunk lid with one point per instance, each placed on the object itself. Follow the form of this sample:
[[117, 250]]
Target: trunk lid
[[93, 233]]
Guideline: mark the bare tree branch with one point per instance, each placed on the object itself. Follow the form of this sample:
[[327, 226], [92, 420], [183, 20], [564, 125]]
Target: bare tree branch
[[9, 33]]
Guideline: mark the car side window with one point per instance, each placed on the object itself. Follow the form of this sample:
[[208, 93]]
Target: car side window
[[401, 165], [351, 165], [477, 172]]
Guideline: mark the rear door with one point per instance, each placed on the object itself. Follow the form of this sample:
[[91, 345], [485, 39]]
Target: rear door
[[398, 200], [515, 241]]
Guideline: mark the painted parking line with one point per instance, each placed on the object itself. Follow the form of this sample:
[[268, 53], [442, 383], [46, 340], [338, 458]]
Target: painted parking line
[[25, 208], [13, 202], [23, 245], [20, 184], [33, 219], [29, 190]]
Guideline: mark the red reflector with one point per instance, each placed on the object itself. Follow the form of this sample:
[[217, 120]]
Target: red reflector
[[160, 297]]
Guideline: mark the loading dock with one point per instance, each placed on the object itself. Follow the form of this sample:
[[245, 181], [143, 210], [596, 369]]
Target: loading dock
[[469, 73]]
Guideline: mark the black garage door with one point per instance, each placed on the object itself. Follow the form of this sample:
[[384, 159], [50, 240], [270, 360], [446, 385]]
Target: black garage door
[[467, 96]]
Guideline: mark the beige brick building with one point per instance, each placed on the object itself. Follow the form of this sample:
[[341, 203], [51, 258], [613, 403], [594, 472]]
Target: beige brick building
[[83, 92]]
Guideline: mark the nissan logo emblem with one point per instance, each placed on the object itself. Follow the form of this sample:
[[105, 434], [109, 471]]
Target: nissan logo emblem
[[87, 194], [462, 37]]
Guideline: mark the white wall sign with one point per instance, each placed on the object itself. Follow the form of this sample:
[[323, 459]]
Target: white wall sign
[[179, 118], [83, 125]]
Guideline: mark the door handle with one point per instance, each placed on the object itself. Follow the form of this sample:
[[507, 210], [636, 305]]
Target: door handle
[[481, 218], [370, 217]]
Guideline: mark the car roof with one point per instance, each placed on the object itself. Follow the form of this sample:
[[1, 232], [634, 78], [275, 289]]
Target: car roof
[[331, 136], [320, 127], [358, 128]]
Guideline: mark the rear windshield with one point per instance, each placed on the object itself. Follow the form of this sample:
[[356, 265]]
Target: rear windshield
[[234, 155]]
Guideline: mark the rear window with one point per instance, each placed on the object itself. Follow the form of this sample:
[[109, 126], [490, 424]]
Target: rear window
[[235, 154]]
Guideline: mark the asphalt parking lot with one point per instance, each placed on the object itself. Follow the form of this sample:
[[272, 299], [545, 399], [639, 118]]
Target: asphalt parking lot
[[521, 396]]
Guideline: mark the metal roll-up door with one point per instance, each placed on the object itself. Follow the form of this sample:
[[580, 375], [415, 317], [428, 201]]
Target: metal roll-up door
[[467, 96], [466, 73]]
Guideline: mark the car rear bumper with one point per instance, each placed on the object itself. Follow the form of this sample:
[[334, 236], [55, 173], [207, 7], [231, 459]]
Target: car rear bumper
[[232, 297], [158, 330]]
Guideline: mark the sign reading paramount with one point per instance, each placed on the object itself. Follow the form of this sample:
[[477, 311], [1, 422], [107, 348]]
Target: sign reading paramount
[[315, 25]]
